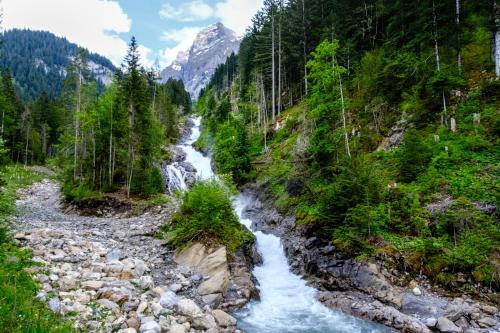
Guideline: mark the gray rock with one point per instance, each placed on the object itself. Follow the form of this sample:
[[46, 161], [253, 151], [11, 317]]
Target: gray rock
[[146, 282], [140, 267], [150, 327], [430, 322], [41, 296], [168, 299], [204, 322], [487, 322], [223, 319], [215, 284], [177, 328], [447, 326], [55, 305], [115, 254], [106, 303], [188, 308], [492, 310], [420, 306], [175, 287], [416, 291], [212, 299]]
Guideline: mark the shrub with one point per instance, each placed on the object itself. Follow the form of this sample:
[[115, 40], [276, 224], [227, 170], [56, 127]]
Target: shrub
[[414, 157], [206, 215]]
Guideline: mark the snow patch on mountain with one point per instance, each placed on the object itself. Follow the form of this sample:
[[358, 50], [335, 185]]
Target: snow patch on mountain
[[196, 66]]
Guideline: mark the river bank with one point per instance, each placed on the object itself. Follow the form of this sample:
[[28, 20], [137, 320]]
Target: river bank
[[367, 289]]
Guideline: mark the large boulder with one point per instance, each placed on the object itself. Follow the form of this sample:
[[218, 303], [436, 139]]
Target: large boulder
[[217, 283], [445, 325], [214, 262], [191, 256], [188, 308], [204, 322], [223, 319], [213, 266]]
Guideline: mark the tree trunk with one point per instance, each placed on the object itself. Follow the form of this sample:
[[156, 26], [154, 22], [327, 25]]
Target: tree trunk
[[273, 69], [279, 63], [438, 61], [111, 147], [264, 110], [77, 121], [304, 43], [3, 117], [130, 170], [344, 122], [496, 9], [93, 157], [459, 46]]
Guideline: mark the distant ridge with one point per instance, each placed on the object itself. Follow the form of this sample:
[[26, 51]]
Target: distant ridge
[[37, 61]]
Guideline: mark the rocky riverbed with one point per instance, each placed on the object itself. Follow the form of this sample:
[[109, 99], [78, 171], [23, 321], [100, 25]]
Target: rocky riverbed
[[367, 289], [112, 275]]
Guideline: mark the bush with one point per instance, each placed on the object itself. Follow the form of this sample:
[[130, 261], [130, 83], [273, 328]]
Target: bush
[[414, 156], [206, 215]]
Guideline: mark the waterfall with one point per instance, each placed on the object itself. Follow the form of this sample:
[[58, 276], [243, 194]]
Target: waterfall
[[174, 176]]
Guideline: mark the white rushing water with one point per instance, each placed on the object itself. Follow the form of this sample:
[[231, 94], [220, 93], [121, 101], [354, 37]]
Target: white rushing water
[[287, 304]]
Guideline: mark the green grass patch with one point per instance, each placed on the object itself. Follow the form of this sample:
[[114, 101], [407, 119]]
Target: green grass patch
[[19, 310]]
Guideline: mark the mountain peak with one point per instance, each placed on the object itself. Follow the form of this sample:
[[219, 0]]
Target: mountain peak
[[210, 48]]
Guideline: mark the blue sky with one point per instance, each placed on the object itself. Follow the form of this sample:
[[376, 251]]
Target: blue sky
[[162, 27]]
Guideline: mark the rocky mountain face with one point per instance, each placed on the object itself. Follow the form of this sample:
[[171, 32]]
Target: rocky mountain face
[[195, 66]]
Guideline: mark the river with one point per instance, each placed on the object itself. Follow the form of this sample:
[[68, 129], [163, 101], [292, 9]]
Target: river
[[287, 304]]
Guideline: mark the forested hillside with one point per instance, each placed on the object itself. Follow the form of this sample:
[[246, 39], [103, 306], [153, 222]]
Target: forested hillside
[[37, 61], [375, 124], [103, 140]]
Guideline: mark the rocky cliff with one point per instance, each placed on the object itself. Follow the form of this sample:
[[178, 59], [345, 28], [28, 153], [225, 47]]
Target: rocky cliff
[[195, 66]]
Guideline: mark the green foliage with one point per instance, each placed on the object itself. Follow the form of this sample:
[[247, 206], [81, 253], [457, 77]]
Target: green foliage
[[414, 157], [375, 199], [325, 103], [232, 150], [206, 215], [117, 140], [36, 59]]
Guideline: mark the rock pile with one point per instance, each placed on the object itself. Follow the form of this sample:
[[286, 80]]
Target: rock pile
[[112, 275]]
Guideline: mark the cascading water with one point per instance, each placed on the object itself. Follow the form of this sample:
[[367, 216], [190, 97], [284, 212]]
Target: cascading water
[[287, 304], [175, 173]]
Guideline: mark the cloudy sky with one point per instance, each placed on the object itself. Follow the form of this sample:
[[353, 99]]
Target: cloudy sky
[[162, 27]]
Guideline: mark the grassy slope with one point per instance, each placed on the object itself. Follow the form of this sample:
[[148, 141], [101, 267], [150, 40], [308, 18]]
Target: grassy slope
[[462, 165]]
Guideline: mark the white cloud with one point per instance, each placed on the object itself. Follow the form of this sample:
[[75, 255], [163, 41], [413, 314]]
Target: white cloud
[[183, 38], [237, 14], [93, 24], [196, 10], [234, 14], [146, 55]]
